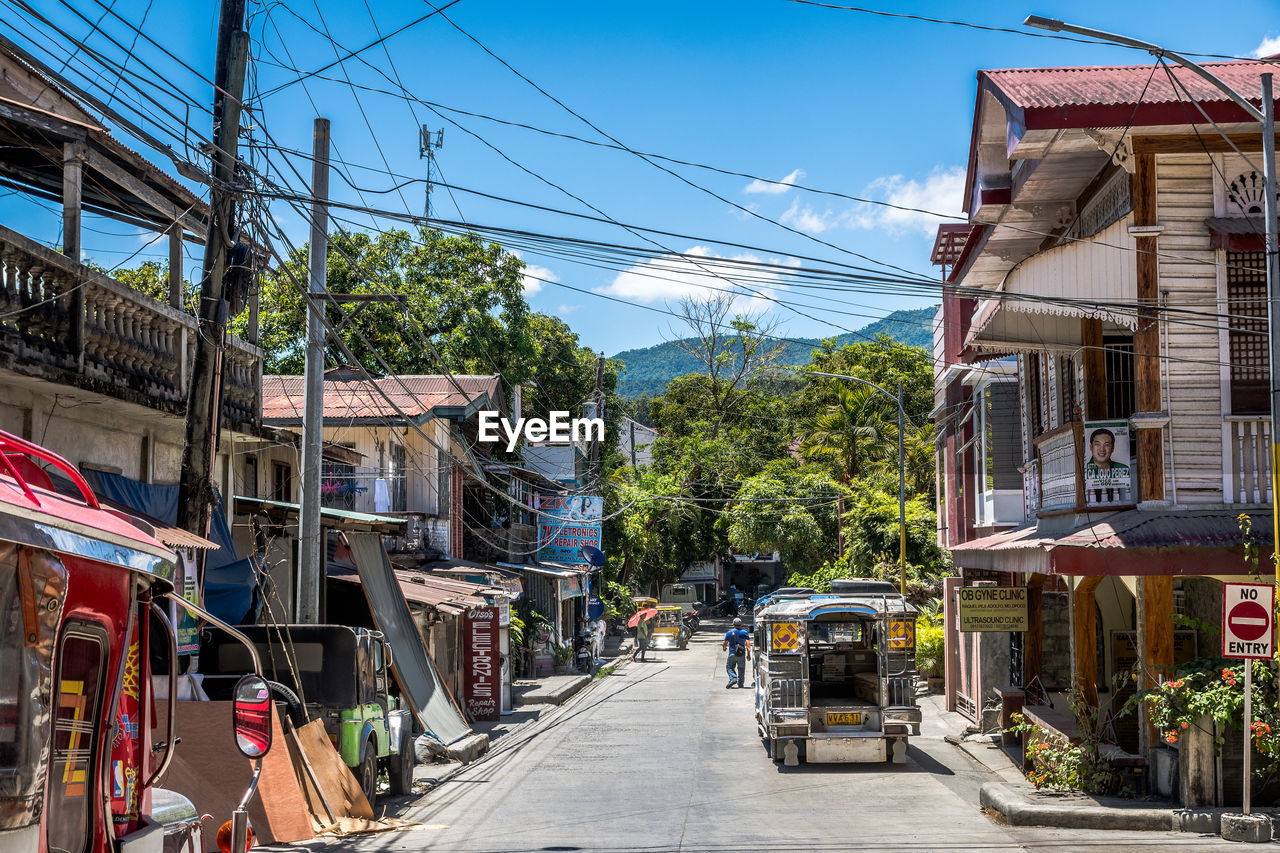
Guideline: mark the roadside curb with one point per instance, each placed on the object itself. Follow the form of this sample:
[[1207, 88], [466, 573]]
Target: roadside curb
[[1019, 811]]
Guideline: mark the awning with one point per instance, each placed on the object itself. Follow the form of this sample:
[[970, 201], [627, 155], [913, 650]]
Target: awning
[[171, 535], [429, 699], [1134, 542], [1041, 301], [1238, 233], [448, 595], [335, 519]]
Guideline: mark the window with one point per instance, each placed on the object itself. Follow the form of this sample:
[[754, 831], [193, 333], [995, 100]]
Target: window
[[249, 486], [1118, 358], [1036, 420], [1247, 305], [1068, 396], [338, 484], [76, 726], [281, 482], [399, 479]]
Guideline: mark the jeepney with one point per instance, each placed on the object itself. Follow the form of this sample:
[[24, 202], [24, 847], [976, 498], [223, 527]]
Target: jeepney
[[835, 675], [81, 621], [669, 631]]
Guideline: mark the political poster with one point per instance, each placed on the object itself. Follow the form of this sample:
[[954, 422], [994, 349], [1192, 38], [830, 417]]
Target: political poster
[[565, 524], [1108, 462]]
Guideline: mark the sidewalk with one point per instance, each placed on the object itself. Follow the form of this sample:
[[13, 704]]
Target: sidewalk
[[1021, 804]]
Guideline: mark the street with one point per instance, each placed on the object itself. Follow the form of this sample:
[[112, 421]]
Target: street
[[659, 756]]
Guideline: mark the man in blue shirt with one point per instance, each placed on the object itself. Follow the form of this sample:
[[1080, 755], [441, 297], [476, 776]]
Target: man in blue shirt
[[738, 643]]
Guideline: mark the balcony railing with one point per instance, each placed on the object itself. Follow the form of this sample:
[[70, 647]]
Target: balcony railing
[[132, 347], [1246, 459]]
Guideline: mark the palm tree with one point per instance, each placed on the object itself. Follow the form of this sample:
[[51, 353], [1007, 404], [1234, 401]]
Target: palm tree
[[853, 434]]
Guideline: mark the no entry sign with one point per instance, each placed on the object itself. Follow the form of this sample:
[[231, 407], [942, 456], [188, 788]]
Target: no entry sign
[[1248, 625]]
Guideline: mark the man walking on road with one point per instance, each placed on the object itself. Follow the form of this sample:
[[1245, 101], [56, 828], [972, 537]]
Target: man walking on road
[[738, 643], [643, 630]]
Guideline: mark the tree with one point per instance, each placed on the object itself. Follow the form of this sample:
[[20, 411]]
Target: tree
[[853, 433], [461, 295], [790, 508]]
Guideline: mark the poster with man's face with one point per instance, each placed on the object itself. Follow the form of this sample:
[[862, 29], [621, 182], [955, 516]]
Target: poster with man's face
[[1107, 455]]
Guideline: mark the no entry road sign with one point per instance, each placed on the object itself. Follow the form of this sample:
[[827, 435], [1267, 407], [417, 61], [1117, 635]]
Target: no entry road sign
[[1248, 625]]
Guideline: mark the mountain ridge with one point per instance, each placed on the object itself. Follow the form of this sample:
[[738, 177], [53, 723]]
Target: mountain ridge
[[650, 369]]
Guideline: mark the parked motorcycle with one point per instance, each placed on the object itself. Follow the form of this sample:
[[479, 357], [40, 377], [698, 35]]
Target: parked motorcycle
[[691, 620], [583, 656]]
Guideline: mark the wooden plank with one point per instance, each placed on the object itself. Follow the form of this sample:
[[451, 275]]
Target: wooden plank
[[1085, 647], [1190, 143], [169, 212], [72, 190], [1146, 339], [1095, 369], [175, 266], [56, 126], [1032, 650], [1156, 634]]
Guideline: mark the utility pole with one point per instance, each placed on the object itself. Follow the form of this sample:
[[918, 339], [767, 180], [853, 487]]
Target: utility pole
[[309, 543], [598, 397], [204, 403]]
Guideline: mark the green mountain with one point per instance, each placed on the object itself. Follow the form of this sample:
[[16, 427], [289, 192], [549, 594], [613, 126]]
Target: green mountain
[[650, 369]]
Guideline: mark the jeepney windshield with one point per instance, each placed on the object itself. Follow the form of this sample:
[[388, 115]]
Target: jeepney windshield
[[33, 586]]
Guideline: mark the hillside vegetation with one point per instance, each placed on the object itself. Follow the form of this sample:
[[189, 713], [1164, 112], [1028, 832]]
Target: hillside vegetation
[[650, 370]]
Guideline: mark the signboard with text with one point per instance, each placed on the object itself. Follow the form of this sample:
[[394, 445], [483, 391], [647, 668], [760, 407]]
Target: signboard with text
[[992, 608], [1248, 623], [482, 676], [565, 524]]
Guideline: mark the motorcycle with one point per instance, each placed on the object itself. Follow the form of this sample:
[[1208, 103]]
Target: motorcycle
[[583, 656], [691, 621]]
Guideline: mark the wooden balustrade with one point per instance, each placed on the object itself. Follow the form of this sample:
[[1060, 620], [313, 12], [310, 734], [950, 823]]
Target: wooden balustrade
[[1246, 461], [134, 348]]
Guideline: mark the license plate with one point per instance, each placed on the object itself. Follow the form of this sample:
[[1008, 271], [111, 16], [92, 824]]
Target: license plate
[[844, 719]]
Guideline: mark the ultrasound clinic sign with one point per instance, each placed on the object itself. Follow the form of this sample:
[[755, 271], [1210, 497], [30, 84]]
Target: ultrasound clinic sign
[[482, 677], [992, 608]]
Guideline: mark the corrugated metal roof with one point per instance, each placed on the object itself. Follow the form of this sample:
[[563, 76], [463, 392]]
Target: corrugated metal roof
[[1137, 529], [447, 594], [341, 519], [360, 398], [1039, 88]]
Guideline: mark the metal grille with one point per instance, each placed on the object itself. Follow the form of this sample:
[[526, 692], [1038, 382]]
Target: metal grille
[[1016, 657], [1247, 305], [1119, 367], [1033, 394], [1068, 390], [786, 682]]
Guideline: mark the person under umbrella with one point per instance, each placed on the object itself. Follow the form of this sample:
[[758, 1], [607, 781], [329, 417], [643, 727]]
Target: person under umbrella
[[642, 621]]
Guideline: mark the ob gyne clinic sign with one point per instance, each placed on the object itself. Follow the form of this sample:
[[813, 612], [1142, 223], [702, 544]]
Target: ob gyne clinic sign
[[992, 608]]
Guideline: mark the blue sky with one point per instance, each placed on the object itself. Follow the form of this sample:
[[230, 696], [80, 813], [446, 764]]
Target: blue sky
[[865, 105]]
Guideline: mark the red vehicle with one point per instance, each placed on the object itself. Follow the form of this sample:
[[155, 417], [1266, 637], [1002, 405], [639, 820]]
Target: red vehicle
[[80, 751]]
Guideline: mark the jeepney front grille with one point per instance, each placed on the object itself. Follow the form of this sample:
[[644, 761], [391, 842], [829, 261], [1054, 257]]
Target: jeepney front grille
[[902, 691]]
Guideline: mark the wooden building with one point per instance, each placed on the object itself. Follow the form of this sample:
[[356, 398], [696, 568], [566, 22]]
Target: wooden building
[[1109, 285]]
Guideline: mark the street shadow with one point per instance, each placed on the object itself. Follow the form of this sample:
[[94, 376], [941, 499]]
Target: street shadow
[[918, 761]]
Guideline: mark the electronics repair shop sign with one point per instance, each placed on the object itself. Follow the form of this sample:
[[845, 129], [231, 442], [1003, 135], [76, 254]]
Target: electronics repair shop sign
[[482, 679]]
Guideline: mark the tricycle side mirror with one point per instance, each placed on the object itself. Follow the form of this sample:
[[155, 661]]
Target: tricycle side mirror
[[251, 716]]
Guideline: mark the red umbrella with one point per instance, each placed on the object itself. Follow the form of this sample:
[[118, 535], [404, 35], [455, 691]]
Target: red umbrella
[[647, 613]]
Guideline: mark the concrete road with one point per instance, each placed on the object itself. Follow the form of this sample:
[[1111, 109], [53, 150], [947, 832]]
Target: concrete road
[[659, 756]]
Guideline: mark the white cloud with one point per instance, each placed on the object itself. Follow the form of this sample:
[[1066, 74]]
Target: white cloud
[[534, 277], [773, 187], [913, 204], [1270, 47], [567, 309], [698, 273]]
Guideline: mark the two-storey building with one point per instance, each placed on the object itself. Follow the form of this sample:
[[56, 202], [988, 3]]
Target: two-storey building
[[1102, 375]]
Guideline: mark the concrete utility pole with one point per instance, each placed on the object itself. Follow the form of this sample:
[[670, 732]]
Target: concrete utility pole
[[204, 402], [309, 543]]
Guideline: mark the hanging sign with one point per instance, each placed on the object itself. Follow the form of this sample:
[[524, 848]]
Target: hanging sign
[[482, 678], [992, 608], [1248, 625]]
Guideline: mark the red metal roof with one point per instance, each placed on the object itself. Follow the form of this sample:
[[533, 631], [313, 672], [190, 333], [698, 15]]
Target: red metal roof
[[360, 398], [446, 594]]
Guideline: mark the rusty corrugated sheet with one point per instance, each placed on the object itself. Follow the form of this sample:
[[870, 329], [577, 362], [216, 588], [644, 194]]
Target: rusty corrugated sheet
[[1037, 88], [1190, 529], [350, 398]]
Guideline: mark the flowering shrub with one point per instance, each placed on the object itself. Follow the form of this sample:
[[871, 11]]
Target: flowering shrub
[[1060, 765]]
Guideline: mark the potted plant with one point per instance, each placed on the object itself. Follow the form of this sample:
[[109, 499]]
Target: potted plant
[[931, 648]]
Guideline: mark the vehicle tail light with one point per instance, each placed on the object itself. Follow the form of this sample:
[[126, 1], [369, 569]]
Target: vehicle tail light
[[224, 838]]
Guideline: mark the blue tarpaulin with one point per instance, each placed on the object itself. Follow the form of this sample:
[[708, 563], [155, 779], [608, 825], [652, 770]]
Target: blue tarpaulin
[[228, 582]]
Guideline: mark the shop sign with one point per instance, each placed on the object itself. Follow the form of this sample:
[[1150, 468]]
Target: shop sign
[[504, 615], [992, 608], [565, 524], [1248, 626], [482, 678], [187, 585], [699, 573], [570, 588]]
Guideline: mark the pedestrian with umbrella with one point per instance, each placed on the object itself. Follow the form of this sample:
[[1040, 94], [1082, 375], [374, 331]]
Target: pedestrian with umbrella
[[641, 620]]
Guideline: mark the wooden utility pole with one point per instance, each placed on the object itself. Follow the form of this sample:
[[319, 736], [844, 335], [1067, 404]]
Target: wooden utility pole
[[310, 546], [196, 493]]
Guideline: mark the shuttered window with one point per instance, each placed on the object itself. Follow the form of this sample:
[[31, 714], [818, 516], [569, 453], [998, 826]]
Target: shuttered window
[[1247, 305]]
